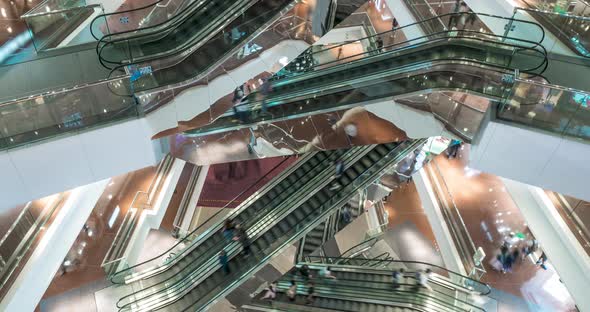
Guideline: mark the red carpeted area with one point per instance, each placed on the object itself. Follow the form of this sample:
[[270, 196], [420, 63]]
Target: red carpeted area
[[229, 184]]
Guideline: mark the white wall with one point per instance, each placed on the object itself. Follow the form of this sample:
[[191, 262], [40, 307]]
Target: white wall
[[563, 250], [54, 166], [109, 5], [36, 275], [152, 218], [533, 157]]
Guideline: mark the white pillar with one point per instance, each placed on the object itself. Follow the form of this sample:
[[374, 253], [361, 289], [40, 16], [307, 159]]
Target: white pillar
[[562, 248]]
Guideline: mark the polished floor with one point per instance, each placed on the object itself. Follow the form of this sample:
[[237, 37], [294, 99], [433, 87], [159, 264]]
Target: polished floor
[[88, 251], [492, 218], [408, 232]]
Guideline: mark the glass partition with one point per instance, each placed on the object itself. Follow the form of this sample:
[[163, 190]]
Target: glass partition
[[560, 110], [52, 23], [35, 118], [576, 214], [567, 20]]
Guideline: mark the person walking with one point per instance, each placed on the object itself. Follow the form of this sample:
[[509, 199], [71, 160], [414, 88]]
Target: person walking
[[292, 291], [394, 27], [453, 149], [223, 260], [242, 237]]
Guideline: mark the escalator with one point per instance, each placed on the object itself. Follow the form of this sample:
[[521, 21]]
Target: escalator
[[360, 287], [305, 200], [469, 61], [188, 29]]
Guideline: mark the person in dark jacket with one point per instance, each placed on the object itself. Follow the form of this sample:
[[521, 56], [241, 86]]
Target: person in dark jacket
[[223, 260], [241, 236]]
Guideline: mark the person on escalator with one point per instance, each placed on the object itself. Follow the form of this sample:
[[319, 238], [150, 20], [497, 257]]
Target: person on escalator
[[379, 43], [454, 18], [463, 9], [327, 273], [292, 291], [339, 166], [228, 229], [398, 278], [223, 260], [304, 271], [310, 293], [271, 292], [422, 279], [242, 237]]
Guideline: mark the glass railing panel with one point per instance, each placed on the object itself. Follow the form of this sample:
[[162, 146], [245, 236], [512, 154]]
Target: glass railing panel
[[25, 238], [49, 29], [456, 225], [566, 20], [575, 214], [389, 264], [548, 107], [36, 118]]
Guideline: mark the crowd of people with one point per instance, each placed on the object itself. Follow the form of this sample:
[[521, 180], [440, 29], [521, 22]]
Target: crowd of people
[[508, 256]]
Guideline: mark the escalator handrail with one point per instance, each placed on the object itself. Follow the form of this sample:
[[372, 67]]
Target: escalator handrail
[[302, 227], [103, 42], [201, 225], [415, 45], [443, 31], [105, 15], [211, 128], [489, 289], [258, 227], [567, 15], [170, 54], [369, 241], [356, 289], [251, 103], [341, 282]]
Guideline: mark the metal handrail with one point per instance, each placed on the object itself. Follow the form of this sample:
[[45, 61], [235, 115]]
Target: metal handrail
[[489, 289]]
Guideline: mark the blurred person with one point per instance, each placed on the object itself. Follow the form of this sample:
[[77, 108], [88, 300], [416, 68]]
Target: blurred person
[[398, 278], [310, 293], [304, 271], [327, 273], [241, 236], [453, 148], [379, 43], [271, 292], [292, 291], [454, 18], [228, 229], [223, 260]]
